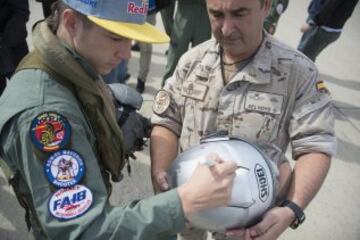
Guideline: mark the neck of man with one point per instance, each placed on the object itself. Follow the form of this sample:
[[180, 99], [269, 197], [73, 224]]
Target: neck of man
[[231, 58]]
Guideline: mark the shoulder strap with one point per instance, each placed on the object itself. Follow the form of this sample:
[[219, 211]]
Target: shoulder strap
[[6, 169], [34, 61]]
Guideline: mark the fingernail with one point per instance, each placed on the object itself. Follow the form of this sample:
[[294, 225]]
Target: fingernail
[[230, 234]]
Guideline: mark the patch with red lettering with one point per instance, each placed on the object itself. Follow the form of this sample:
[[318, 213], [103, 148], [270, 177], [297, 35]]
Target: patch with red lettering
[[50, 131], [132, 8], [70, 203]]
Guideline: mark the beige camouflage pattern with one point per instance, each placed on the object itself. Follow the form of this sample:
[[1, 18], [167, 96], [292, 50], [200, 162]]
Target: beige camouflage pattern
[[273, 101]]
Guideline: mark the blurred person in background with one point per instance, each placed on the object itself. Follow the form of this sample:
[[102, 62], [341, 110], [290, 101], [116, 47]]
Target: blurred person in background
[[324, 25], [13, 47], [278, 7]]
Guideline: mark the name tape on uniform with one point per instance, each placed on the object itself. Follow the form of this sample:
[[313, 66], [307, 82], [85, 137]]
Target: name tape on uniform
[[264, 102]]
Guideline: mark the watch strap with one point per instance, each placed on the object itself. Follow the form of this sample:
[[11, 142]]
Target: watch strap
[[299, 213]]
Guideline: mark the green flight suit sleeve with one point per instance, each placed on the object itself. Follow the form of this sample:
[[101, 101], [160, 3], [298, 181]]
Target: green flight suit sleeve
[[278, 7], [150, 218]]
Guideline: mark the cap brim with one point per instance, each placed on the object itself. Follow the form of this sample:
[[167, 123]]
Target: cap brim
[[140, 32]]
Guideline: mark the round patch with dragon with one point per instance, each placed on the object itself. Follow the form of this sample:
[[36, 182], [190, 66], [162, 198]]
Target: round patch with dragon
[[50, 131], [64, 168], [161, 102]]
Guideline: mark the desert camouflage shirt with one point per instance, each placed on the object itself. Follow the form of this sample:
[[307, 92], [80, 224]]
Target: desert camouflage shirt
[[276, 99]]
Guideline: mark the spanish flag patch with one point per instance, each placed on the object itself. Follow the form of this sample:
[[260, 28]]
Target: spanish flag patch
[[320, 87]]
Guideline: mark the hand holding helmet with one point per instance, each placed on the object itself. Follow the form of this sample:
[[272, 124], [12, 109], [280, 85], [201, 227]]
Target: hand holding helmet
[[253, 192], [218, 179]]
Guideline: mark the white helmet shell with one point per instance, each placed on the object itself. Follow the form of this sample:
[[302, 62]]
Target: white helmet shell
[[254, 186]]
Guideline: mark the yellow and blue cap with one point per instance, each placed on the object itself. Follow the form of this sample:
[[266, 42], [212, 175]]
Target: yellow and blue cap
[[125, 18]]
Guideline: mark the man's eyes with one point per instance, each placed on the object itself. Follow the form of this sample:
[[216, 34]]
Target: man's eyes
[[234, 14], [240, 13], [216, 14]]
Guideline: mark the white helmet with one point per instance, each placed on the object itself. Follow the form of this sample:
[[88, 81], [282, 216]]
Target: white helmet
[[254, 185]]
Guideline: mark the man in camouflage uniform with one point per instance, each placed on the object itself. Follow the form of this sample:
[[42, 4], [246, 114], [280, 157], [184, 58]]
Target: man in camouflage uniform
[[257, 88]]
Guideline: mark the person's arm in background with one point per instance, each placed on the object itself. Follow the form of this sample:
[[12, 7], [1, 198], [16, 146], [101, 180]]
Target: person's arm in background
[[278, 7], [15, 31], [325, 12]]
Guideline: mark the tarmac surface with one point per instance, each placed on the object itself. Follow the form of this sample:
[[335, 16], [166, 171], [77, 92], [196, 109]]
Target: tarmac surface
[[334, 214]]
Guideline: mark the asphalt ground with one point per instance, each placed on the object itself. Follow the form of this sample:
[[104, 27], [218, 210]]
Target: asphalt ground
[[334, 214]]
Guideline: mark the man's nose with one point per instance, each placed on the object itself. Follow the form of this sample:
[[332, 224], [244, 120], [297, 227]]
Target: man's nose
[[124, 49], [227, 27]]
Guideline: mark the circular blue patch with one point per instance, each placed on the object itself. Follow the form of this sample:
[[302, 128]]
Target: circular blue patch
[[50, 131], [64, 168]]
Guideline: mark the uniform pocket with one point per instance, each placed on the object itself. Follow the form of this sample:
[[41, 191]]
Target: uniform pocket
[[258, 116], [256, 126]]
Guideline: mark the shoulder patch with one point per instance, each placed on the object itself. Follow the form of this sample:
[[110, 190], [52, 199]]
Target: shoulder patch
[[70, 203], [50, 131], [320, 87], [64, 168], [161, 102]]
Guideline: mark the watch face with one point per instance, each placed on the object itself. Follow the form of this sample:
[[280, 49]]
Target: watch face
[[294, 224], [302, 218]]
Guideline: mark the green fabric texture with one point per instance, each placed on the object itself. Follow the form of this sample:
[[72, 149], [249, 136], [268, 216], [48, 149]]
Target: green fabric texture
[[274, 15], [34, 91], [92, 93], [191, 27]]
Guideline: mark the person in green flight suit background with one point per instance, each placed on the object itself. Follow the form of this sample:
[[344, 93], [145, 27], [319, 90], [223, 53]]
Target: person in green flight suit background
[[278, 7]]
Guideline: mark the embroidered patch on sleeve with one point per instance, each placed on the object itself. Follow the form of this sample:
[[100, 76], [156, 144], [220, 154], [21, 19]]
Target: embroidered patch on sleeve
[[320, 87], [65, 168], [70, 203], [50, 131], [161, 102]]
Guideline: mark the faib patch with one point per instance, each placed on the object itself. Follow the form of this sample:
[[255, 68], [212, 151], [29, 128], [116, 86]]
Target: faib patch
[[70, 203]]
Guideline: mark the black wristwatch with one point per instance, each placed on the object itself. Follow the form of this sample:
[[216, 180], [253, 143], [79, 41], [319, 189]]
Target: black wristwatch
[[299, 213]]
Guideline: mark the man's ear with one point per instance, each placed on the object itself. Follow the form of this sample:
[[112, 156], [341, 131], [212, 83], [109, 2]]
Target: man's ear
[[71, 22], [267, 6]]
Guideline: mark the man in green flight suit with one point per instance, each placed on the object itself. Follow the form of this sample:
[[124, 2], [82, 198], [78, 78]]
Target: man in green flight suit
[[278, 7], [191, 26], [60, 136]]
